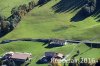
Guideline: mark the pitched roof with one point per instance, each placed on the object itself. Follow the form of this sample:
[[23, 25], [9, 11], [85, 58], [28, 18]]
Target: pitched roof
[[53, 54], [49, 54], [59, 55], [18, 55], [57, 41]]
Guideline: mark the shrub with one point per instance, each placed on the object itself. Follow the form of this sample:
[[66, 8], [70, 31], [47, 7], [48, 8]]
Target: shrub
[[14, 10], [31, 5], [14, 19], [2, 18], [5, 26]]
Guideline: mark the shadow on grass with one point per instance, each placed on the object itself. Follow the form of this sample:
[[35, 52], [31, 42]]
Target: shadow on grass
[[42, 61], [2, 34], [97, 11], [81, 15], [52, 46], [95, 45], [42, 2], [67, 5]]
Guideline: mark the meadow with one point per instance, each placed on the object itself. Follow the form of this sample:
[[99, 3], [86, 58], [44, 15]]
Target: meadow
[[44, 22]]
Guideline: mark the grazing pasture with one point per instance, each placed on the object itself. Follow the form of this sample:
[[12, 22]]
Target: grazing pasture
[[44, 22]]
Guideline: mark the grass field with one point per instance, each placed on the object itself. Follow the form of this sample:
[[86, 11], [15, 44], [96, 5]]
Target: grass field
[[43, 22], [37, 49]]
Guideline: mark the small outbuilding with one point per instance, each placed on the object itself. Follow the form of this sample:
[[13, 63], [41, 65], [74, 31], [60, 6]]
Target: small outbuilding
[[57, 43]]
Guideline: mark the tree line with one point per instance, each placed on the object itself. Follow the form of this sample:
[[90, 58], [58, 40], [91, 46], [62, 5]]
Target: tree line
[[8, 24]]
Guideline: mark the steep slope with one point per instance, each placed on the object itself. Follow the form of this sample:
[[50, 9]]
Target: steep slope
[[43, 22], [7, 5]]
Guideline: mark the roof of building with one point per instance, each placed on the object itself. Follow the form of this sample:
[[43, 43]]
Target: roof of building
[[18, 55], [60, 55], [57, 41], [53, 54]]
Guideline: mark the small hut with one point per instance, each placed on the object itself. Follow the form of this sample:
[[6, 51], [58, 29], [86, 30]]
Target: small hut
[[57, 43]]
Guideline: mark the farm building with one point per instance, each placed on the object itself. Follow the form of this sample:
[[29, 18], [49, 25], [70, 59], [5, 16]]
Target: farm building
[[17, 58], [49, 55], [57, 43], [54, 55]]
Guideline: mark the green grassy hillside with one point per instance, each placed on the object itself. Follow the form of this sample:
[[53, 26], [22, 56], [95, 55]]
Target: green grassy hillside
[[37, 49], [43, 22], [7, 5]]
